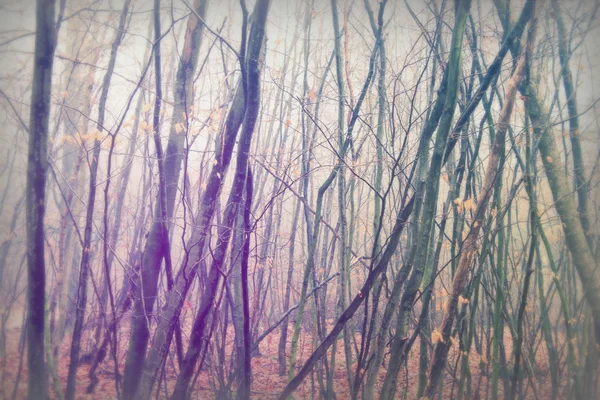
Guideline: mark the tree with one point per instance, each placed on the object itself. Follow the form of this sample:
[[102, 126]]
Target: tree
[[392, 195], [37, 164], [155, 249], [86, 252]]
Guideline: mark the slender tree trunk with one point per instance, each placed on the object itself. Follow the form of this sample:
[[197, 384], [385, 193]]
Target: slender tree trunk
[[251, 84], [173, 304], [319, 203], [321, 351], [85, 256], [470, 244], [575, 236], [154, 250], [581, 184], [182, 282], [73, 159], [244, 381], [380, 341], [431, 193], [45, 44], [343, 231], [7, 243], [286, 299]]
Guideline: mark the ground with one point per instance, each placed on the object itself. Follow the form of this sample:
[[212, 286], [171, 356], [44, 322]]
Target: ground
[[267, 384]]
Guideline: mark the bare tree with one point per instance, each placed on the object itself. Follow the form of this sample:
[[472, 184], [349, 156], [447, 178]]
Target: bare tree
[[37, 164]]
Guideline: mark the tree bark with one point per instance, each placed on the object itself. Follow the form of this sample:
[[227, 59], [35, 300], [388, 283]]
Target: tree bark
[[244, 380], [37, 163]]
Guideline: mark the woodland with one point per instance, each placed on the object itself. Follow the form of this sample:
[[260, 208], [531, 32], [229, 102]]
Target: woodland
[[303, 199]]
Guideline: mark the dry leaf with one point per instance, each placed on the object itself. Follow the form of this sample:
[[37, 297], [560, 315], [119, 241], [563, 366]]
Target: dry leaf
[[469, 204], [459, 205], [436, 336], [453, 341]]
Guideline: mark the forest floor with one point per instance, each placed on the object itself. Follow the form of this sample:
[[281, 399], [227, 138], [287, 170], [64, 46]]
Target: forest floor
[[267, 384]]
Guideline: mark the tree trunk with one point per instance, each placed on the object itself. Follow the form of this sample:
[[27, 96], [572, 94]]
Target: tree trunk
[[87, 235], [581, 184], [470, 244], [45, 44], [575, 236], [431, 193], [175, 298], [244, 379], [154, 250]]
